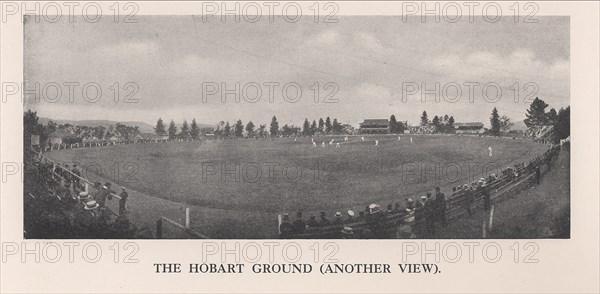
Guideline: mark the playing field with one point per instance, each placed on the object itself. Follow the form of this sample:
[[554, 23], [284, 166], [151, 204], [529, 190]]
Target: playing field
[[270, 176]]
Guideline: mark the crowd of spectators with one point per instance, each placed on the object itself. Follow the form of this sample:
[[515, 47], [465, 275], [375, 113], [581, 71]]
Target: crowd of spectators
[[59, 203], [418, 217]]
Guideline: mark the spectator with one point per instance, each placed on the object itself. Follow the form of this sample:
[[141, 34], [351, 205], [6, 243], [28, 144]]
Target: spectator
[[350, 218], [312, 222], [285, 228], [299, 224], [123, 201], [324, 221], [440, 204], [430, 215], [103, 194], [487, 200], [338, 219], [469, 198], [77, 174], [347, 233]]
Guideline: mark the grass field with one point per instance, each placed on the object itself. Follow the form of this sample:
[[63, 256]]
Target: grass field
[[275, 175]]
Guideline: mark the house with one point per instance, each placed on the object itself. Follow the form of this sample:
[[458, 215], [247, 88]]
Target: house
[[469, 128], [374, 126], [60, 136]]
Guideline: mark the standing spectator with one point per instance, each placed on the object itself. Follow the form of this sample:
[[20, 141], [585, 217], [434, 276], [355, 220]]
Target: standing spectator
[[338, 219], [440, 201], [469, 198], [123, 201], [350, 218], [487, 200], [430, 216], [103, 194], [77, 174], [299, 224]]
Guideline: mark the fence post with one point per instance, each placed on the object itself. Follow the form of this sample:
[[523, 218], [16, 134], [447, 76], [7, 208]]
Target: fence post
[[187, 217], [159, 224]]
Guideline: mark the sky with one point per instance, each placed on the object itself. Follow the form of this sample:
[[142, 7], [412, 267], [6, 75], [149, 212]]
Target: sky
[[366, 64]]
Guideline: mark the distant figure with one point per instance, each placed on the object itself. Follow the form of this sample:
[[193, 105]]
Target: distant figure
[[299, 224], [323, 145], [337, 145], [362, 138], [331, 142], [411, 140], [338, 219], [294, 139], [376, 142], [490, 149], [345, 139], [440, 206], [312, 139], [314, 144]]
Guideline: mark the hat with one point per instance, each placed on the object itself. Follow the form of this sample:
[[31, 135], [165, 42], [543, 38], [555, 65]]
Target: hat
[[338, 214], [83, 195], [410, 200], [350, 213], [374, 208], [347, 230], [423, 197], [91, 205]]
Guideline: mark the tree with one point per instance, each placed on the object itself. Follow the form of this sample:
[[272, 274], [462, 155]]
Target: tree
[[424, 119], [336, 127], [194, 130], [160, 127], [563, 123], [393, 126], [262, 131], [227, 130], [536, 115], [172, 130], [505, 123], [306, 127], [551, 116], [274, 128], [313, 127], [286, 130], [321, 125], [239, 129], [436, 123], [327, 125], [185, 130], [450, 124], [250, 129], [495, 122]]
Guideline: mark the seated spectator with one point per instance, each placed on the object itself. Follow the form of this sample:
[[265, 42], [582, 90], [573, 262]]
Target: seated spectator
[[338, 219], [285, 228], [350, 218], [324, 221], [312, 222], [347, 233], [390, 208], [299, 224]]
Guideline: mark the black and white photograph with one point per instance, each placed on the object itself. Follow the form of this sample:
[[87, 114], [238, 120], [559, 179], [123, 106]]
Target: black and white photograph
[[299, 147], [355, 127]]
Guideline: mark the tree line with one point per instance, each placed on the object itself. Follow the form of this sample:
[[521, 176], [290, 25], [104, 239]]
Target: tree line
[[226, 130]]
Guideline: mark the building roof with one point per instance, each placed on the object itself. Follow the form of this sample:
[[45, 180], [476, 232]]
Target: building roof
[[374, 122], [469, 125]]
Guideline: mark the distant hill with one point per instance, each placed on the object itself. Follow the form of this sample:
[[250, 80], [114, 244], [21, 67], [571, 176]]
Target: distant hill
[[519, 126], [144, 127]]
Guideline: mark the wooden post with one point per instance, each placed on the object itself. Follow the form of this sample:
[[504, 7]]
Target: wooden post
[[159, 232], [187, 217]]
